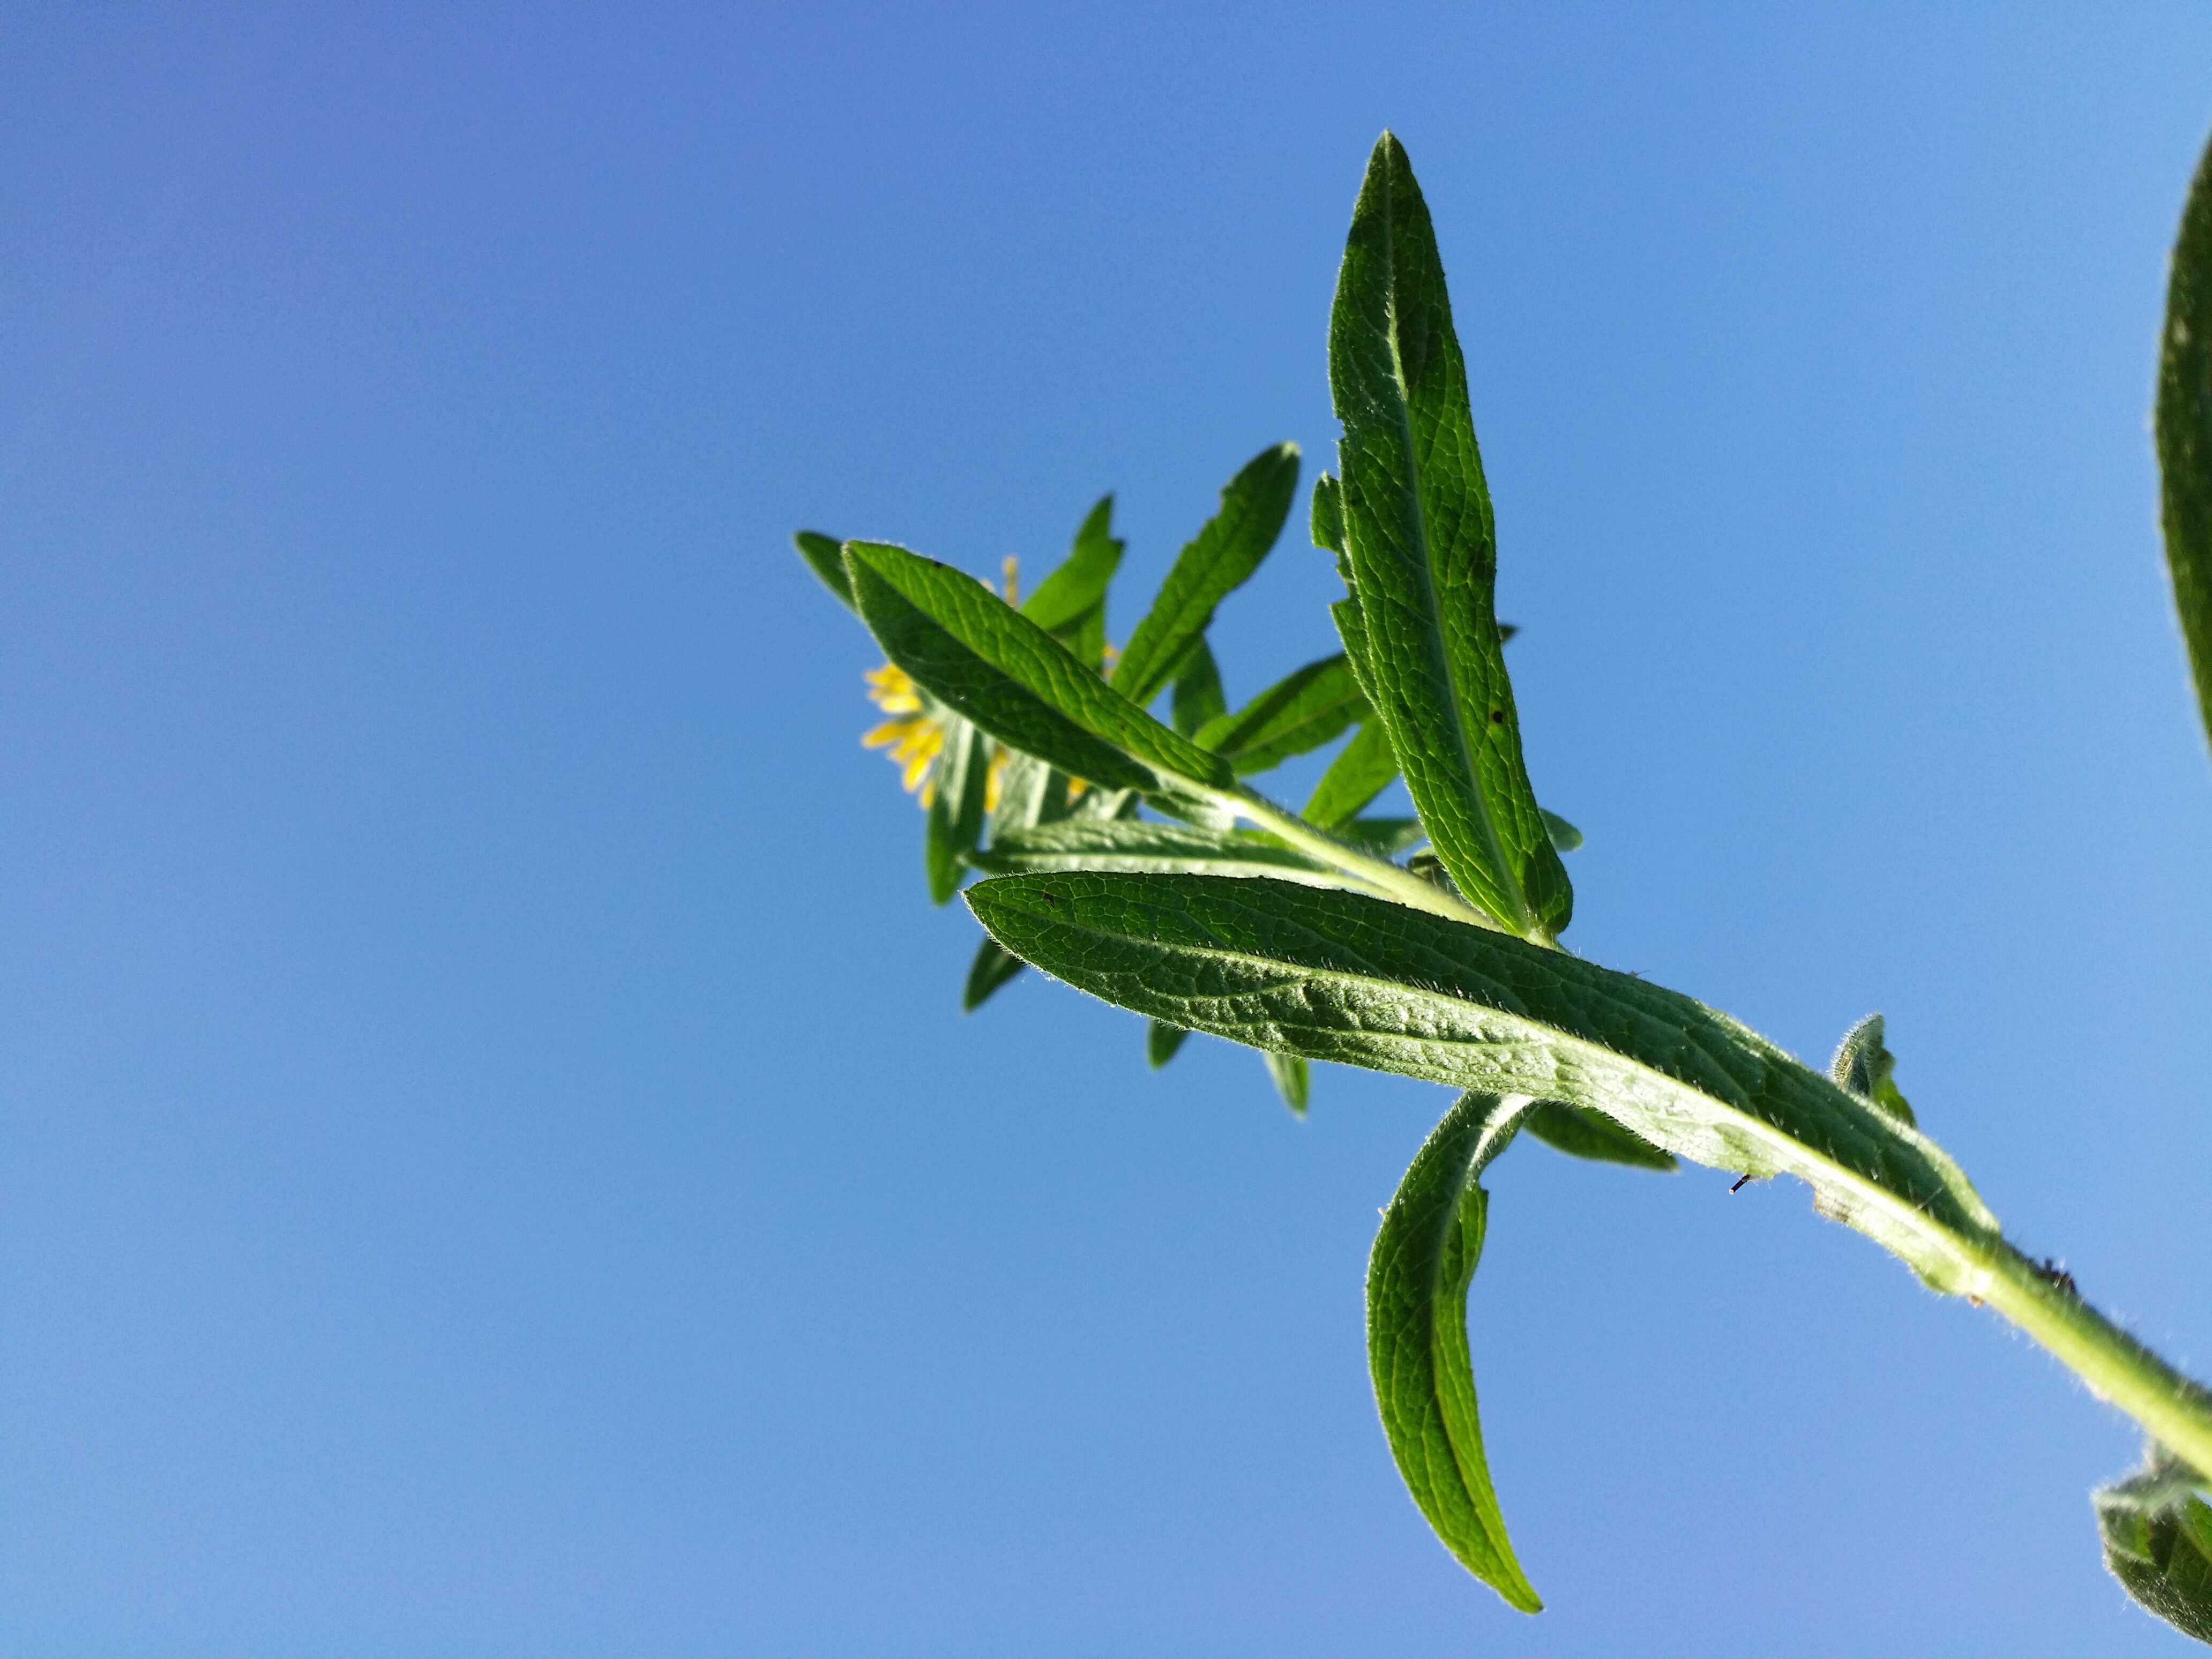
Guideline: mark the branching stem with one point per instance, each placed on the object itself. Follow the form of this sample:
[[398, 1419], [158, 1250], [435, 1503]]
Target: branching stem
[[1378, 876]]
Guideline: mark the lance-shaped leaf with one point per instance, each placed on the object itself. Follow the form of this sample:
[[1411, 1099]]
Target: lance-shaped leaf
[[2184, 430], [1417, 1280], [1565, 836], [2157, 1535], [958, 781], [1292, 1078], [1162, 1040], [1354, 778], [1197, 697], [825, 557], [1300, 713], [1418, 532], [1342, 976], [1136, 844], [993, 966], [1218, 559], [968, 649], [1070, 603]]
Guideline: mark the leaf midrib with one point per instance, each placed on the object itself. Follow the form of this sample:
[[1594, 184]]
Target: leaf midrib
[[1523, 921], [1790, 1152]]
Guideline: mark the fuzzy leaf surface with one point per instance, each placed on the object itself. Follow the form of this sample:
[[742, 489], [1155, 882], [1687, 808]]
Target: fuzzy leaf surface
[[1216, 561], [1582, 1133], [993, 966], [2184, 430], [2157, 1535], [1419, 535], [970, 649], [1423, 1259], [1343, 976]]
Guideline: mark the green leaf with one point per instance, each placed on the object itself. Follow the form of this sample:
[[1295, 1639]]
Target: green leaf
[[1417, 532], [1565, 836], [1383, 837], [1137, 844], [1298, 713], [1218, 559], [1354, 778], [1197, 697], [1070, 603], [1328, 516], [1865, 1066], [2184, 430], [993, 966], [1291, 1077], [1161, 1041], [1029, 792], [1343, 976], [825, 558], [970, 649], [1417, 1280], [958, 777], [2157, 1535], [1584, 1133]]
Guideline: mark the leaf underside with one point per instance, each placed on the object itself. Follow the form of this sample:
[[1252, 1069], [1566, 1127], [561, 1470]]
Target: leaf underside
[[2157, 1535], [1341, 976], [1423, 1259], [1417, 528]]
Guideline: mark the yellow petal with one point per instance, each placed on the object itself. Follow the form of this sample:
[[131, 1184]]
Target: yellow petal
[[891, 688], [889, 731]]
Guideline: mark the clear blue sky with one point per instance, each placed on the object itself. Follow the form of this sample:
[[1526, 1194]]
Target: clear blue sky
[[492, 1161]]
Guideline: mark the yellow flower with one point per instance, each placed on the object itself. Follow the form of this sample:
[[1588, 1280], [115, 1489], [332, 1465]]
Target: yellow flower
[[915, 737]]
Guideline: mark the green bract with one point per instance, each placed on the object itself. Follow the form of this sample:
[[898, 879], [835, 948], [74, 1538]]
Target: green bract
[[1126, 856]]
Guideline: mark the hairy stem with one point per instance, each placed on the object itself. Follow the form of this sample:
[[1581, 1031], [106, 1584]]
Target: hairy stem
[[2176, 1409]]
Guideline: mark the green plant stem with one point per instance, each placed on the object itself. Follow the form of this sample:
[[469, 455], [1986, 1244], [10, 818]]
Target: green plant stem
[[1378, 876], [2173, 1408], [2176, 1409]]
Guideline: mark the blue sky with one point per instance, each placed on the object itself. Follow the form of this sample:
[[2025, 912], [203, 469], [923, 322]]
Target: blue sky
[[493, 1162]]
